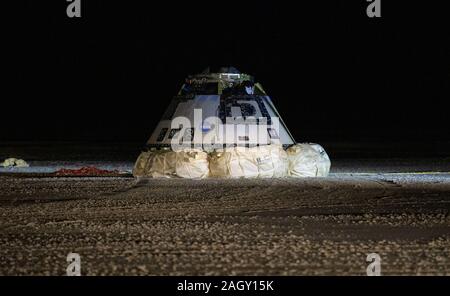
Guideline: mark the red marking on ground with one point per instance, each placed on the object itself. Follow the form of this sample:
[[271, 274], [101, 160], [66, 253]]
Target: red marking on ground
[[85, 171]]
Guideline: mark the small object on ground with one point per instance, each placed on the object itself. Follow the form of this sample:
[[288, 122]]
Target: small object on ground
[[14, 162], [85, 171]]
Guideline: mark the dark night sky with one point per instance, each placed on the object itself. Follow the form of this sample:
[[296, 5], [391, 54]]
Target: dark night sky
[[332, 72]]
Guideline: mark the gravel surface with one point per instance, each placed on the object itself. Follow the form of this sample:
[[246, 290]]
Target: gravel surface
[[326, 226]]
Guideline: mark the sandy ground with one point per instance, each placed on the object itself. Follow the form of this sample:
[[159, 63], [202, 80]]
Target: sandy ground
[[396, 207], [327, 226]]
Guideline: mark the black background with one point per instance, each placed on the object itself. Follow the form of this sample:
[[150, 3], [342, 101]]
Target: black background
[[332, 72], [287, 285]]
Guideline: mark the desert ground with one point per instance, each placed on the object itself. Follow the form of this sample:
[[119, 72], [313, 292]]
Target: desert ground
[[397, 208]]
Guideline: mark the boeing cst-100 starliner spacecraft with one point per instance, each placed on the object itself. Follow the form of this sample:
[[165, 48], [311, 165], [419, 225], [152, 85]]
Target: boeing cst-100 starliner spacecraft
[[223, 124]]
